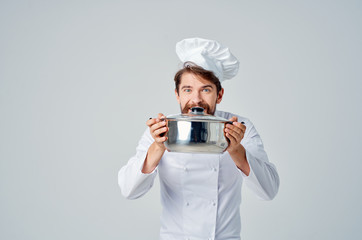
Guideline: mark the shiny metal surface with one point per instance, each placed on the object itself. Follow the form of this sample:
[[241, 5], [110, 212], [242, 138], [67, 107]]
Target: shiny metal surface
[[196, 136]]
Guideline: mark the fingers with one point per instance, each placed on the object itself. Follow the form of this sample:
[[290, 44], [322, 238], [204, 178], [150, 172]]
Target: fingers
[[234, 134], [158, 131], [235, 131], [158, 128], [157, 125], [231, 138], [160, 139], [152, 121], [236, 127]]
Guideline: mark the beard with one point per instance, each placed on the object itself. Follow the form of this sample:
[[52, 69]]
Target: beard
[[204, 105]]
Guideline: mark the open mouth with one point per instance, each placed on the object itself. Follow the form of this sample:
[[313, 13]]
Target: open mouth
[[187, 108], [205, 109]]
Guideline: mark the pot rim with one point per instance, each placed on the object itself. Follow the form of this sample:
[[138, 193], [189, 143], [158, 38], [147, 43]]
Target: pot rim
[[198, 120], [197, 114]]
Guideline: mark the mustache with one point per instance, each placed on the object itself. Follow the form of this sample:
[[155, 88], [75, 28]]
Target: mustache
[[201, 104]]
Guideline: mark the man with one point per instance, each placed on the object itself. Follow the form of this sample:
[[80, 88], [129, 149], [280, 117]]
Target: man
[[201, 193]]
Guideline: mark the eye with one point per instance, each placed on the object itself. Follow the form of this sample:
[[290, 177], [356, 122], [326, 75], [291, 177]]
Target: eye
[[187, 90], [206, 90]]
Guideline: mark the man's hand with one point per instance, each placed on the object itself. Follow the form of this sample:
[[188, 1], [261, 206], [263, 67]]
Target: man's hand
[[158, 129], [235, 133]]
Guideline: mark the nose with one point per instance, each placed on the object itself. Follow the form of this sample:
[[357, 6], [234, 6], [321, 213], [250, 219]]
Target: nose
[[196, 97]]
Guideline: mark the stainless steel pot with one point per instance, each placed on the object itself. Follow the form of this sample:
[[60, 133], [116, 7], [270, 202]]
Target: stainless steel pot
[[196, 132]]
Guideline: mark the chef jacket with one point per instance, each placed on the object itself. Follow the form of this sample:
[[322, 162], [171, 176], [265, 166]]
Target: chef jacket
[[201, 193]]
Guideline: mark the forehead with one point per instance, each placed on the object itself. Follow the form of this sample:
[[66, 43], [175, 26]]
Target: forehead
[[190, 79]]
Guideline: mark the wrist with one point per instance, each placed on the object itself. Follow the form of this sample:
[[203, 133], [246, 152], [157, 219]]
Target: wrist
[[159, 147], [237, 149], [153, 157]]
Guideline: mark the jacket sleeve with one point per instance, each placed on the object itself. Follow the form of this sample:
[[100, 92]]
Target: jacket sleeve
[[131, 180], [263, 178]]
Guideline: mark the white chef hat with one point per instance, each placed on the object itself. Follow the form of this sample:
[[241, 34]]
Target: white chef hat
[[210, 55]]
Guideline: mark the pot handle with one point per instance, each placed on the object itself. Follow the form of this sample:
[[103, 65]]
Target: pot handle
[[230, 122]]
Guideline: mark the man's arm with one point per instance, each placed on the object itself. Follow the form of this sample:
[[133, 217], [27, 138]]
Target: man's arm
[[137, 176], [240, 160], [250, 157]]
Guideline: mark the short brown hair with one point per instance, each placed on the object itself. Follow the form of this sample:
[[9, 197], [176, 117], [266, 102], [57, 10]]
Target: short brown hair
[[190, 67]]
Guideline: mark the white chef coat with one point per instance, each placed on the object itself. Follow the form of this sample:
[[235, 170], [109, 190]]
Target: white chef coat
[[201, 193]]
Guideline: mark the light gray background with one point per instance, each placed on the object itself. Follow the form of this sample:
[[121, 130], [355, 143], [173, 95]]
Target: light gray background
[[78, 80]]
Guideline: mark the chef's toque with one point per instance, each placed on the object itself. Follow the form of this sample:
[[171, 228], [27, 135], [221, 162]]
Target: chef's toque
[[209, 55]]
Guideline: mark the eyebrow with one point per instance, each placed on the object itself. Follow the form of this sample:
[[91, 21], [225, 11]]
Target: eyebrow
[[205, 86], [186, 87]]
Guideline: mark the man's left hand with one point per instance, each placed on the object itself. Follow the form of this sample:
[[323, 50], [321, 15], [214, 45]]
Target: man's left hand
[[235, 133]]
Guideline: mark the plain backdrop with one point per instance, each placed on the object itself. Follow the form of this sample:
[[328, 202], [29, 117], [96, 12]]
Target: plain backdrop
[[79, 79]]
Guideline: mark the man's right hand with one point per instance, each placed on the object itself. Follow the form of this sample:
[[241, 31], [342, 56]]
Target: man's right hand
[[158, 129]]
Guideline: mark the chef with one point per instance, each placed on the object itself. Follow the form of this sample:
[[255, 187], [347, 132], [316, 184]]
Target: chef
[[201, 193]]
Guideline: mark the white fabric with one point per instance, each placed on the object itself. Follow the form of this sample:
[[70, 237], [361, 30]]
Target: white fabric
[[210, 55], [201, 193]]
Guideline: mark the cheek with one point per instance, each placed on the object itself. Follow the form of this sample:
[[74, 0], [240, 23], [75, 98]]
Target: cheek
[[211, 100], [183, 100]]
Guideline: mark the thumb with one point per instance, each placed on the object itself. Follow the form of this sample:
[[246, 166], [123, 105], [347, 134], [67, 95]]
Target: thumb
[[160, 115], [233, 119]]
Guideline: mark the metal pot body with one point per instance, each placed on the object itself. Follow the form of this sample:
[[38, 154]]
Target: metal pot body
[[196, 136]]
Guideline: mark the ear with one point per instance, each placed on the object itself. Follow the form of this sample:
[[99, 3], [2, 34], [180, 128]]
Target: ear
[[177, 96], [219, 96]]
